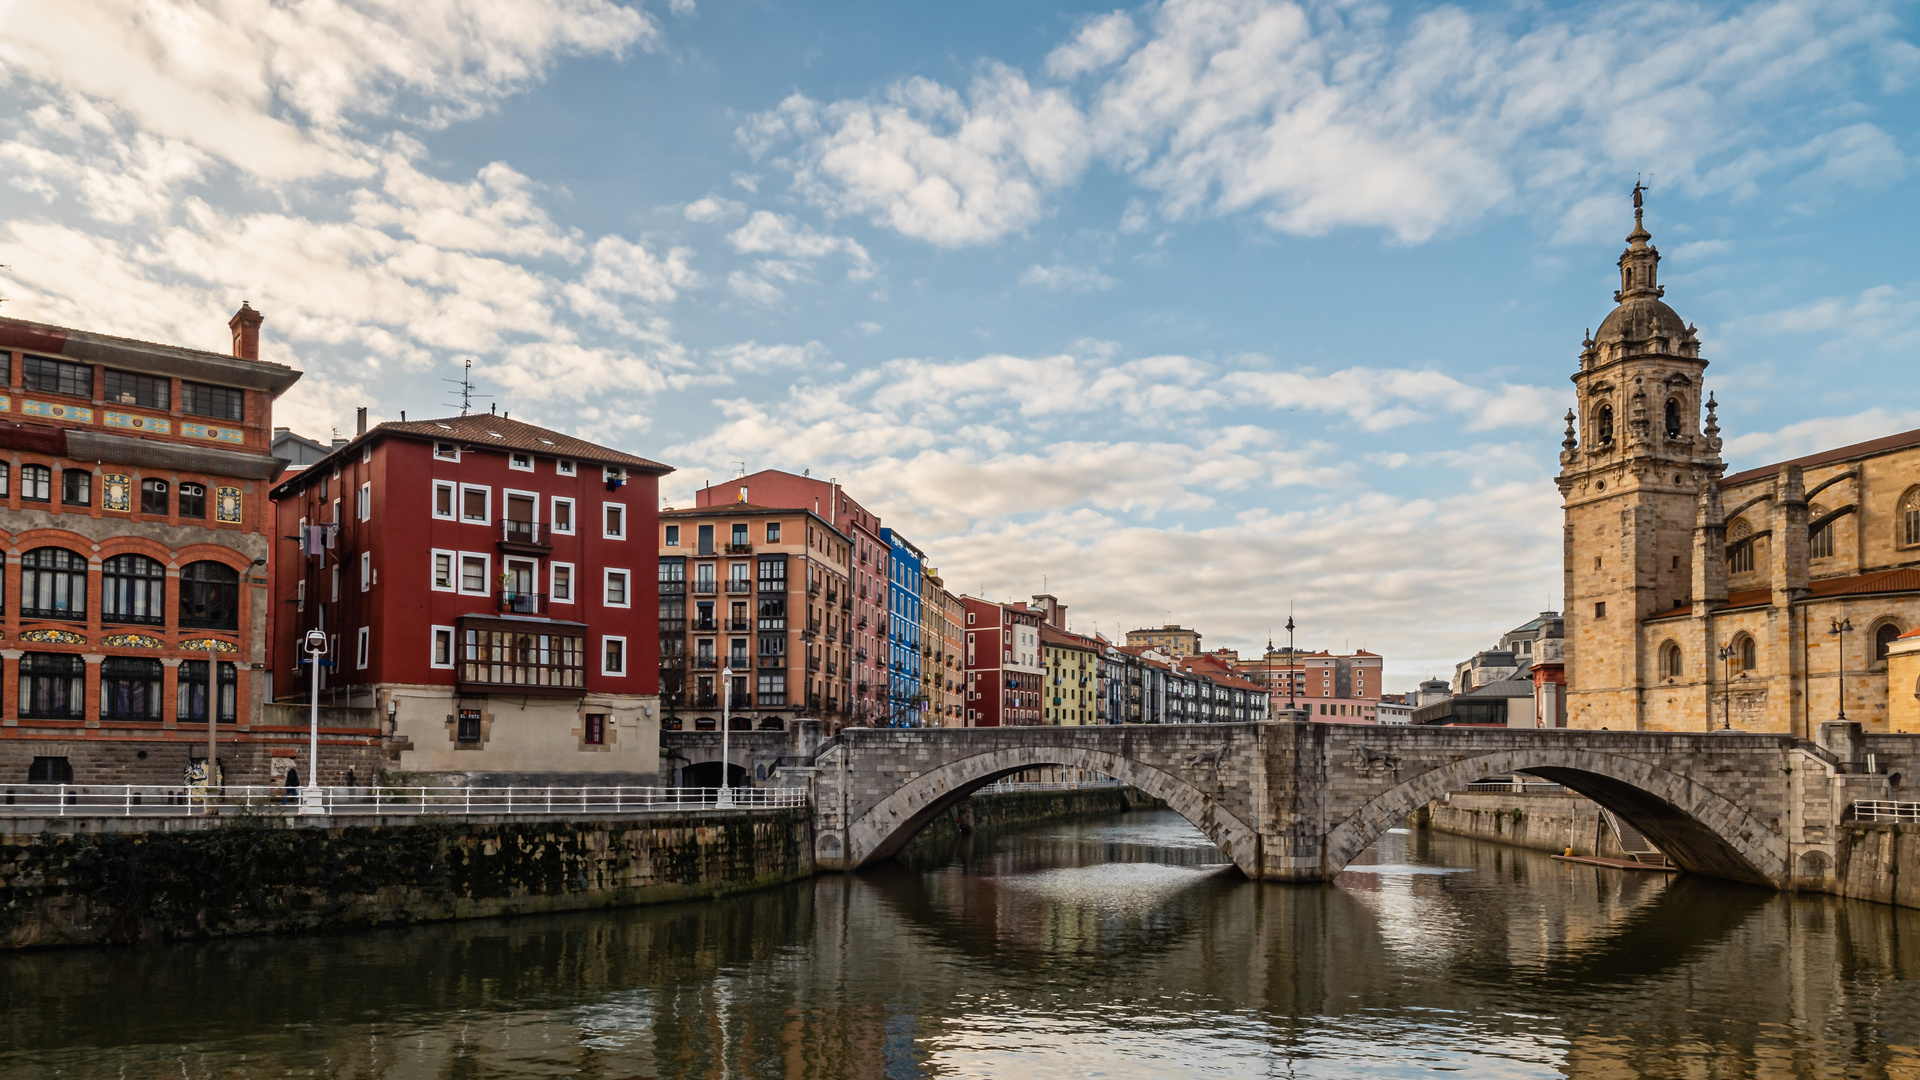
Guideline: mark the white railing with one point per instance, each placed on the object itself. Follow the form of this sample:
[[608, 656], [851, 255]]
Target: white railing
[[1521, 787], [1004, 786], [137, 800], [1870, 810]]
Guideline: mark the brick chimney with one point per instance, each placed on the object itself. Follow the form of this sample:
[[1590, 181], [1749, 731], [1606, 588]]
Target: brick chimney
[[246, 332]]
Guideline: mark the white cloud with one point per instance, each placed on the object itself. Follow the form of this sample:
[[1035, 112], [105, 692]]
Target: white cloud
[[1881, 317], [1063, 277], [1759, 448], [1100, 42], [767, 233], [712, 208], [1382, 398], [497, 211], [753, 356]]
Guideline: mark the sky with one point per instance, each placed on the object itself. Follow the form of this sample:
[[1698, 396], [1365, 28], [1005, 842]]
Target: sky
[[1202, 311]]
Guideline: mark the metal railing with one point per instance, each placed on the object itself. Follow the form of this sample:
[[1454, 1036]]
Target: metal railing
[[522, 603], [520, 532], [1007, 786], [1518, 787], [739, 585], [146, 800], [1878, 810]]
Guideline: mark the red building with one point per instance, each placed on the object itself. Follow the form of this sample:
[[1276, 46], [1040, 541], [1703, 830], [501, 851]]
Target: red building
[[487, 586], [1003, 663], [869, 551]]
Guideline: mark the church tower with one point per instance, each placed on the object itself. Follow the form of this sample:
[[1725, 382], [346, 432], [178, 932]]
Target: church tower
[[1633, 472]]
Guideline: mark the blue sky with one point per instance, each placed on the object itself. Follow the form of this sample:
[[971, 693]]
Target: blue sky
[[1188, 311]]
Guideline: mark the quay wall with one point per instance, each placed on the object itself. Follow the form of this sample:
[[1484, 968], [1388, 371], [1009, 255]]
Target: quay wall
[[1878, 861], [1010, 809], [91, 881], [1543, 821]]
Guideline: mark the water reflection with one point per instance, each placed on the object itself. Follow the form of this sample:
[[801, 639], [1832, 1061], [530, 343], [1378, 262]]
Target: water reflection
[[1122, 947]]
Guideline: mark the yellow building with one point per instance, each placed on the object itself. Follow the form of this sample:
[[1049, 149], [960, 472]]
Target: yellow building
[[1070, 693], [1175, 640], [942, 641], [1697, 599]]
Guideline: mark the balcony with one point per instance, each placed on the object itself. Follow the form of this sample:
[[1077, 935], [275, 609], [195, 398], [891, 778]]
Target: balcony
[[520, 603], [846, 602], [739, 661], [831, 636], [739, 549], [673, 586], [524, 537], [704, 663], [740, 586], [739, 626], [705, 587], [813, 588], [861, 622], [832, 669], [672, 626], [703, 626], [833, 594], [813, 663], [860, 655], [506, 655]]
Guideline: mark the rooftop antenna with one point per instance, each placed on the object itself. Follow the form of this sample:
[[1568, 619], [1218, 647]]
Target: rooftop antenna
[[5, 266], [465, 383], [743, 468]]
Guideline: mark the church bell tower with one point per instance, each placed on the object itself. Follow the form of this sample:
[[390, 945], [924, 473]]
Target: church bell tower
[[1636, 469]]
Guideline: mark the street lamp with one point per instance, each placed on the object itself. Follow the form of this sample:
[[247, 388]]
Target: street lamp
[[1726, 687], [1292, 659], [1839, 630], [726, 735], [310, 796]]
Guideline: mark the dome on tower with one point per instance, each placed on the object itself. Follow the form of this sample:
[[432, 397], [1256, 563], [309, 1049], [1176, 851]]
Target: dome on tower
[[1641, 323], [1641, 319]]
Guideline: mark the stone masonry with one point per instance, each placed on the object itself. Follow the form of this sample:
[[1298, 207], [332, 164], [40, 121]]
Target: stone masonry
[[1298, 801]]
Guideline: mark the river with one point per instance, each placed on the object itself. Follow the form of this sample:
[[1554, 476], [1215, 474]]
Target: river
[[1112, 947]]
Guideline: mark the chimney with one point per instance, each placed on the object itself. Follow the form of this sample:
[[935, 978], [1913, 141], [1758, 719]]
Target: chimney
[[360, 421], [245, 325]]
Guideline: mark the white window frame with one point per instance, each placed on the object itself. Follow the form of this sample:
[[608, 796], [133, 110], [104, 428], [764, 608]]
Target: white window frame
[[606, 586], [453, 647], [625, 660], [453, 570], [573, 583], [460, 508], [453, 501], [366, 454], [446, 451], [534, 495], [553, 515], [336, 582], [366, 501], [564, 467], [363, 648], [366, 570], [486, 573], [515, 465], [604, 534]]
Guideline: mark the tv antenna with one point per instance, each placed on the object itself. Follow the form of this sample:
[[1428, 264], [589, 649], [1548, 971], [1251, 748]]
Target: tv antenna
[[465, 383]]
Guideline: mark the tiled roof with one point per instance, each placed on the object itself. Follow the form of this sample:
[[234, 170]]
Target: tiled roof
[[47, 337], [491, 431], [1898, 579], [1828, 457]]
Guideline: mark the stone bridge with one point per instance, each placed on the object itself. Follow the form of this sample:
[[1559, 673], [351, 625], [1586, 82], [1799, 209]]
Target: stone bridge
[[1292, 801]]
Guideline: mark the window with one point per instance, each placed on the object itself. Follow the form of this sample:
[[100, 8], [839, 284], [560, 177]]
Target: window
[[53, 584], [1747, 659], [1820, 542], [446, 451], [1909, 517], [153, 497], [673, 536], [57, 377], [1600, 610], [36, 483], [473, 573], [366, 570], [616, 592], [193, 501], [5, 471], [475, 503], [190, 695], [441, 654], [443, 500], [336, 581], [740, 535], [143, 391], [76, 487], [1670, 660], [129, 688], [520, 462], [1604, 429], [364, 504], [613, 656], [469, 726], [595, 730], [1673, 419], [773, 532], [442, 571], [210, 596], [362, 647], [563, 516], [522, 658], [53, 686], [616, 525], [1883, 637], [216, 402], [133, 590], [50, 770], [564, 467], [560, 588]]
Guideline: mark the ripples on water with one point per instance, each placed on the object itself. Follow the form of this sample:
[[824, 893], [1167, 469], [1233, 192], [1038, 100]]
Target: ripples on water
[[1120, 947]]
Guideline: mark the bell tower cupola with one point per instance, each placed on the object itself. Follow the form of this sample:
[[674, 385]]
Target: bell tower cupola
[[1640, 263]]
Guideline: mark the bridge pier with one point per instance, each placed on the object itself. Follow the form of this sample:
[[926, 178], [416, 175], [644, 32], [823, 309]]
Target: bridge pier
[[1291, 801]]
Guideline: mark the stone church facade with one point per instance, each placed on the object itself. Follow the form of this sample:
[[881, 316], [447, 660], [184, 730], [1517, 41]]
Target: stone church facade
[[1697, 599]]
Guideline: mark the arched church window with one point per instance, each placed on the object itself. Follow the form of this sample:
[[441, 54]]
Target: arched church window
[[1884, 636], [1605, 428], [1739, 547], [1673, 418], [1748, 654], [1910, 517], [1819, 536], [1670, 660]]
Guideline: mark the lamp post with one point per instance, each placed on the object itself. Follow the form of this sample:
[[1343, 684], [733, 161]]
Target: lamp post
[[1839, 630], [1292, 659], [213, 717], [1726, 688], [726, 735], [310, 797]]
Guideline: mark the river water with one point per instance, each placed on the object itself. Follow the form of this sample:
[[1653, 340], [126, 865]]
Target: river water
[[1113, 947]]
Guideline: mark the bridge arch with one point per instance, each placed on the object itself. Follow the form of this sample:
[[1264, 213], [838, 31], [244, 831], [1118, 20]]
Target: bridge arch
[[1701, 831], [886, 828]]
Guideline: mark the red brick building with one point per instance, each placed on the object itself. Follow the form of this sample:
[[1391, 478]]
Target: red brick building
[[1003, 664], [869, 569], [488, 588], [134, 506]]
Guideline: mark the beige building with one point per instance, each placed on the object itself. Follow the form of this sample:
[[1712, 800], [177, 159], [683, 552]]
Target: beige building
[[1695, 599], [943, 649], [1176, 641]]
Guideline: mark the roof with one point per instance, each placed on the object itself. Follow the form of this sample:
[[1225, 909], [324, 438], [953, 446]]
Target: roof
[[1502, 688], [1828, 457], [1899, 579], [1051, 636], [491, 432], [91, 347]]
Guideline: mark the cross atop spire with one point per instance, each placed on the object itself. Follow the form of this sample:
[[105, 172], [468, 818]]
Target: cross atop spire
[[1640, 263]]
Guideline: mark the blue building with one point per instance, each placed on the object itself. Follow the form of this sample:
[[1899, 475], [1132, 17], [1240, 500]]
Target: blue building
[[906, 696]]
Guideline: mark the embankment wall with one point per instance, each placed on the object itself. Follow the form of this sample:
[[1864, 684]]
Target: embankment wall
[[1877, 861], [1010, 809], [1542, 821]]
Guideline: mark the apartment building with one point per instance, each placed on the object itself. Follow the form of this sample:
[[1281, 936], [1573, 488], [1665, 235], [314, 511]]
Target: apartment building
[[134, 504], [1174, 640], [764, 593], [1071, 690], [869, 558], [1003, 664], [485, 585], [943, 645], [906, 693]]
